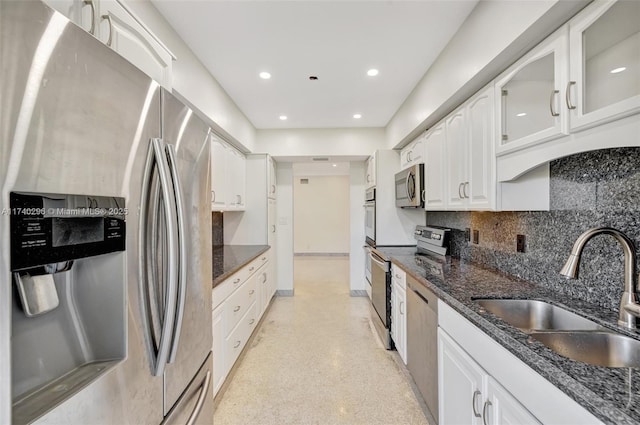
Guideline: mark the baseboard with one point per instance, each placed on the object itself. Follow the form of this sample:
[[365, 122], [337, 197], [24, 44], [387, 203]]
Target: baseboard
[[321, 254], [358, 293], [284, 293]]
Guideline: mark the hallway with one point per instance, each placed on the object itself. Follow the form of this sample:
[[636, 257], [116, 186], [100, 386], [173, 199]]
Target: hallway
[[315, 360]]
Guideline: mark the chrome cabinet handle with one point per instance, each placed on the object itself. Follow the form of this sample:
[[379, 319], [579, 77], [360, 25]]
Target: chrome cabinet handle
[[265, 278], [213, 196], [465, 185], [397, 275], [484, 412], [460, 191], [273, 228], [401, 304], [368, 178], [251, 269], [252, 321], [235, 310], [476, 393], [239, 199], [236, 281], [92, 30], [251, 292], [263, 258], [424, 195], [110, 39], [553, 94], [237, 344], [567, 96], [273, 188], [409, 156]]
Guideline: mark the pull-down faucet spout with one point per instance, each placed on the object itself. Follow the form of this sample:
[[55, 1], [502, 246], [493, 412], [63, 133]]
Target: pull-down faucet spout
[[629, 307]]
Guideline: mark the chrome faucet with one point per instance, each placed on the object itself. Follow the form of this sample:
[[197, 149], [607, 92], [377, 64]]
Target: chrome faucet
[[629, 307]]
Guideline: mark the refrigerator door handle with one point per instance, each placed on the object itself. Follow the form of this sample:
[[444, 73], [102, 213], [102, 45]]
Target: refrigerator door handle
[[169, 298], [201, 399], [182, 244]]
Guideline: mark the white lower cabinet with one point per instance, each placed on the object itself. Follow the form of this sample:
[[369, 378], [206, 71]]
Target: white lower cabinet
[[238, 304], [469, 395], [481, 383], [399, 311]]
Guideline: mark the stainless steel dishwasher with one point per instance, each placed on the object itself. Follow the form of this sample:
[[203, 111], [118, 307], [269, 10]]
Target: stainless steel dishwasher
[[422, 342]]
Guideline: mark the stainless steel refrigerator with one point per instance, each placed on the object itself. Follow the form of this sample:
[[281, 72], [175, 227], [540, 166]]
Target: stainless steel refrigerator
[[128, 339]]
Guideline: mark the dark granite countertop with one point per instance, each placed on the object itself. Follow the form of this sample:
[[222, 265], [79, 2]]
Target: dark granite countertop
[[228, 259], [610, 394]]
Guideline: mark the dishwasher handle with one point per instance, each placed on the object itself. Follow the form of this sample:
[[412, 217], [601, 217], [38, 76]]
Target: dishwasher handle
[[429, 298], [419, 295]]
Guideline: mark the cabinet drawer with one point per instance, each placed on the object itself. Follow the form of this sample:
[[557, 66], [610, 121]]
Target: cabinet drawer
[[238, 304], [238, 338], [399, 276]]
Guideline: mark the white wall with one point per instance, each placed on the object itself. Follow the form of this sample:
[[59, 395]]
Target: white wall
[[321, 214], [193, 82], [357, 237], [284, 223], [312, 142], [496, 33]]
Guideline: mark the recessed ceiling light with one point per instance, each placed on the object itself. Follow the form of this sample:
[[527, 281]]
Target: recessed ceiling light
[[615, 71], [265, 75], [521, 114], [357, 116], [283, 117], [372, 72], [335, 165]]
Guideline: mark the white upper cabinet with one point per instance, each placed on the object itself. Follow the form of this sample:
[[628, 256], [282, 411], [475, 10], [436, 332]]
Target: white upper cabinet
[[370, 178], [123, 32], [271, 181], [456, 153], [481, 180], [413, 153], [604, 63], [116, 26], [528, 96], [218, 175], [434, 178], [228, 177]]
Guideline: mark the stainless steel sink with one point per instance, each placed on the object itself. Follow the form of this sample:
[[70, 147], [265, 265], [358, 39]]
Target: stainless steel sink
[[531, 315], [596, 348]]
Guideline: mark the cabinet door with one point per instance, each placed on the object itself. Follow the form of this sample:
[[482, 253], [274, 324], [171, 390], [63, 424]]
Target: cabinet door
[[417, 152], [218, 175], [395, 317], [219, 364], [434, 168], [80, 12], [271, 224], [456, 153], [121, 31], [370, 178], [401, 327], [604, 63], [501, 408], [272, 184], [460, 384], [480, 190], [528, 96], [236, 179]]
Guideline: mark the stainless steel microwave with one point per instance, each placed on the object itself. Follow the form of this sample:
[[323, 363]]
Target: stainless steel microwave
[[410, 187]]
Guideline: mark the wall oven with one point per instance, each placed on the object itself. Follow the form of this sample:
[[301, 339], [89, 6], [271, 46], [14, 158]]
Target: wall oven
[[370, 216], [410, 187], [381, 297]]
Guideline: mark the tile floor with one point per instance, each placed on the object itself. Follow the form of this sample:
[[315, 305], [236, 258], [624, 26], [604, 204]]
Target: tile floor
[[315, 360]]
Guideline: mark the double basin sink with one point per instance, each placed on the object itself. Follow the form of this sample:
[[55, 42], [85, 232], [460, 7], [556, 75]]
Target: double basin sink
[[567, 333]]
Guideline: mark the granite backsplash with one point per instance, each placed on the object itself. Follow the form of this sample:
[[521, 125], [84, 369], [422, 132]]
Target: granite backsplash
[[217, 228], [598, 188]]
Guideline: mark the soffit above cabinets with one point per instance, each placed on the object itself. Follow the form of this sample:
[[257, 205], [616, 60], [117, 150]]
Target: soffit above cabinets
[[337, 41]]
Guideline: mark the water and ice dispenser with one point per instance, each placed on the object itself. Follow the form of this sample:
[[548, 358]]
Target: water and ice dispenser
[[69, 288]]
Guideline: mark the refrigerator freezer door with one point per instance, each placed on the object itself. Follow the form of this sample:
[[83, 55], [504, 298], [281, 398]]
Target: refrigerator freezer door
[[187, 133], [195, 406], [77, 118]]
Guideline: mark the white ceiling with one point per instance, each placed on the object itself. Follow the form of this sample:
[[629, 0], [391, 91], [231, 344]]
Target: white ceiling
[[337, 41]]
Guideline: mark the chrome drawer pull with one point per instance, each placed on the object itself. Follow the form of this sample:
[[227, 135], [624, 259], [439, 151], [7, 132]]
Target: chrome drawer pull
[[235, 310], [476, 393], [237, 344]]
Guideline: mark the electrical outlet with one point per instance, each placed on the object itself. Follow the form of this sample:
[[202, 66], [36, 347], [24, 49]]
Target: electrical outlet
[[476, 237], [467, 234], [520, 243]]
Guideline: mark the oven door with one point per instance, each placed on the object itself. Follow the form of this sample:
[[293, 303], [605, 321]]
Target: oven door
[[370, 222]]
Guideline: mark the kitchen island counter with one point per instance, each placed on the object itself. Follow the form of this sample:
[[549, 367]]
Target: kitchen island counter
[[610, 394], [228, 259]]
